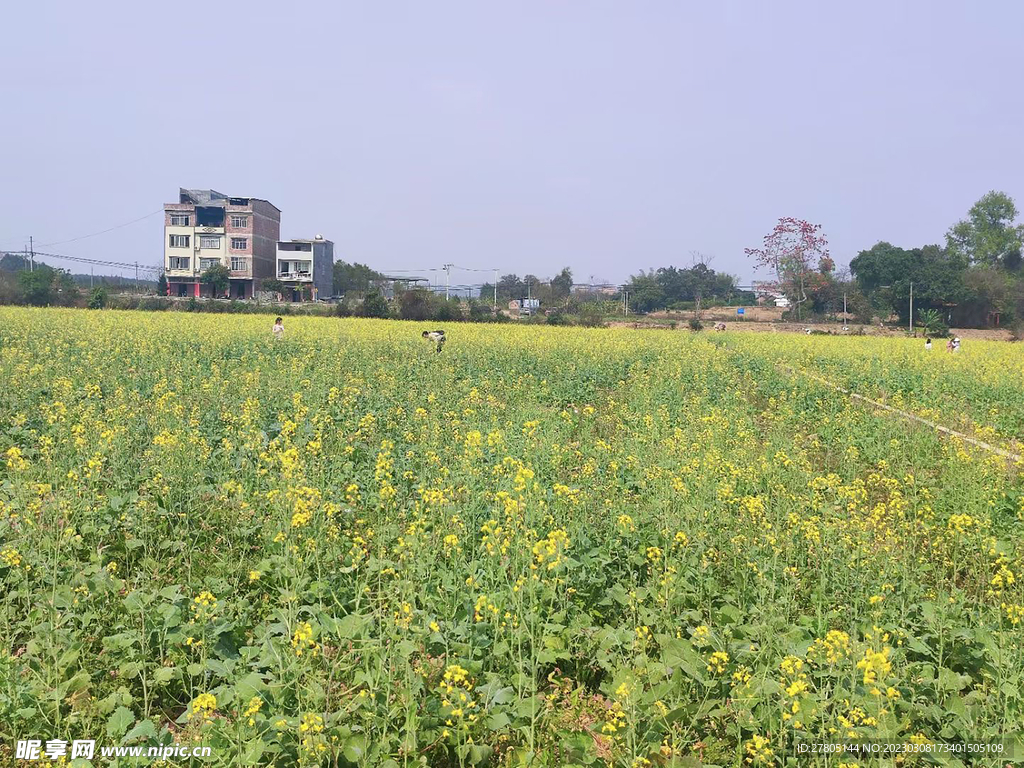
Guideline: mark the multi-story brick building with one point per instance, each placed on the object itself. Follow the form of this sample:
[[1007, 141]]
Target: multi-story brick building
[[205, 228], [306, 267]]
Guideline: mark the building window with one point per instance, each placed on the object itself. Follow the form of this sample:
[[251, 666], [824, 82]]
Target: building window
[[239, 265], [300, 268], [179, 219], [205, 264], [179, 262], [178, 241], [239, 243], [239, 222], [212, 243]]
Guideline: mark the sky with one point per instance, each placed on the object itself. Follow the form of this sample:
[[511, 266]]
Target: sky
[[521, 136]]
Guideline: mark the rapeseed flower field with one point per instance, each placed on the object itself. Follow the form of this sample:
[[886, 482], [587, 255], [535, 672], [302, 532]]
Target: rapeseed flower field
[[543, 547]]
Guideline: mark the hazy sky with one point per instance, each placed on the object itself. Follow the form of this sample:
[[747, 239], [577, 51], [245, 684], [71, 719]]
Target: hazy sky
[[605, 136]]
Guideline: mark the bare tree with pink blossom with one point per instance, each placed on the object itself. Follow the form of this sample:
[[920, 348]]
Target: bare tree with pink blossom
[[796, 252]]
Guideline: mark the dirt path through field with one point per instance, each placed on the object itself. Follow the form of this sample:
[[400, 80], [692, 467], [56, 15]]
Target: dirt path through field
[[907, 415]]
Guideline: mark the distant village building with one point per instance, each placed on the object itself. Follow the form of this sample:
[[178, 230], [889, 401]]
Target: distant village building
[[206, 227], [306, 268], [594, 289], [764, 296]]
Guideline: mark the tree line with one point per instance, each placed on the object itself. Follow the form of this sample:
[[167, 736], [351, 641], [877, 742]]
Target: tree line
[[975, 278], [692, 287]]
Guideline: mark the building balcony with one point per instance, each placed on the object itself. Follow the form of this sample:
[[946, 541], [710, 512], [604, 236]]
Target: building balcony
[[302, 277], [241, 268], [174, 265]]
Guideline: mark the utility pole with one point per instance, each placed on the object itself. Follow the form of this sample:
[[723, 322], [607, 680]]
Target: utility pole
[[447, 275], [32, 250], [844, 310], [495, 289], [911, 306], [137, 277], [92, 275]]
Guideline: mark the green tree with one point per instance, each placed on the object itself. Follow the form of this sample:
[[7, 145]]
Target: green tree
[[990, 291], [532, 286], [988, 236], [37, 286], [374, 305], [13, 262], [561, 285], [884, 273], [46, 285], [218, 277], [161, 285], [645, 292], [354, 277], [510, 287]]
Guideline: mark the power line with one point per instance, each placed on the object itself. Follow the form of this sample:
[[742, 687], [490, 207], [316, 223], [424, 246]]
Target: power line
[[104, 231], [83, 260], [442, 269]]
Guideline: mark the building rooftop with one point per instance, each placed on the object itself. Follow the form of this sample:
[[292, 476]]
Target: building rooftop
[[213, 197]]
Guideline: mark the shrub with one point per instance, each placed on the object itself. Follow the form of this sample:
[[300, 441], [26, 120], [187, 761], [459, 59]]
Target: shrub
[[374, 305], [156, 304], [931, 320], [98, 298], [416, 305], [449, 311], [480, 312], [591, 315], [695, 324]]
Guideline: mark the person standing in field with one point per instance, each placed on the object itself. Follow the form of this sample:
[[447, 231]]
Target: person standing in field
[[278, 329], [928, 344], [956, 344]]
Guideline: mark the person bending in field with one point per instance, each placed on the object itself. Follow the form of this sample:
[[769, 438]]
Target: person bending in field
[[437, 337], [278, 329]]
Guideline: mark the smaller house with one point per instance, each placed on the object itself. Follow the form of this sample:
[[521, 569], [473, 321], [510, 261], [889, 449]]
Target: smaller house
[[766, 294], [306, 268], [529, 306]]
